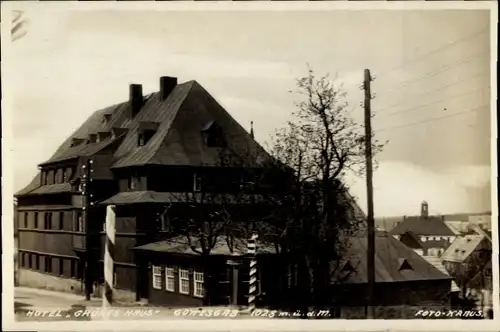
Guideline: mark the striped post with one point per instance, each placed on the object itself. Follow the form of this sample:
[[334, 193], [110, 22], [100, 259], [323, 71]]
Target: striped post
[[107, 298], [252, 285]]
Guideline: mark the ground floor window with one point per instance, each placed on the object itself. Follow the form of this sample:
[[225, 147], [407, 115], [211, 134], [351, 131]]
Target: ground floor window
[[156, 277], [37, 262], [169, 279], [48, 264], [198, 284], [184, 281]]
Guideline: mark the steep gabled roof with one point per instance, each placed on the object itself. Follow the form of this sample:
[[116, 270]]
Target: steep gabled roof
[[390, 256], [179, 140], [423, 226], [181, 118]]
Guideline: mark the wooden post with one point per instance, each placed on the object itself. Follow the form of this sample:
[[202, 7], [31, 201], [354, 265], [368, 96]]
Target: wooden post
[[369, 189], [107, 298], [252, 285]]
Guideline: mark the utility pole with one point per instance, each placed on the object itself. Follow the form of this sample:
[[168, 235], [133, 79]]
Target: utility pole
[[369, 189], [86, 203]]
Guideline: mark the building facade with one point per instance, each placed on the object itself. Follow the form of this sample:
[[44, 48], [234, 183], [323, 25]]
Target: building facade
[[426, 235], [149, 155]]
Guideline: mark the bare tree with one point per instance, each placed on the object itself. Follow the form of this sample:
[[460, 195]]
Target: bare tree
[[316, 214]]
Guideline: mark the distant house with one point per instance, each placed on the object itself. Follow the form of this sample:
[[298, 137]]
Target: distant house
[[403, 278], [426, 235], [466, 257]]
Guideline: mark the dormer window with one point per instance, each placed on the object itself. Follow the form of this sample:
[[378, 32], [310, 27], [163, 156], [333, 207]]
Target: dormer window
[[144, 137], [213, 135], [404, 265], [145, 132]]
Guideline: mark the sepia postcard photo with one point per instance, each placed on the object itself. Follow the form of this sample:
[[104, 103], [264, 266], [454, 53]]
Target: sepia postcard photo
[[249, 166]]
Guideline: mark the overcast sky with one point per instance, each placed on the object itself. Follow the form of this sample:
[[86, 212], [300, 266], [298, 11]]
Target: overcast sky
[[428, 65]]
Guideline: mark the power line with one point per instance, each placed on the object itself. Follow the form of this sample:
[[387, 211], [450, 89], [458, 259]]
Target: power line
[[433, 119], [435, 102], [437, 50], [435, 72], [443, 87]]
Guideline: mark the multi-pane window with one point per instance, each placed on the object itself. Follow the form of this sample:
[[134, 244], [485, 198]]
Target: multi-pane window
[[169, 279], [36, 220], [198, 284], [156, 277], [184, 281]]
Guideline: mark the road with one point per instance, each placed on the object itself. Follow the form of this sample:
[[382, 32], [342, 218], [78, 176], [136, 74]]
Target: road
[[41, 305]]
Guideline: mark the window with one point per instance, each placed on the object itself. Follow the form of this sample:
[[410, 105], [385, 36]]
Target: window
[[144, 137], [61, 221], [23, 259], [156, 277], [79, 226], [184, 281], [25, 219], [48, 220], [198, 284], [51, 176], [169, 279], [44, 178], [48, 264], [64, 175], [36, 220], [61, 266], [196, 182], [132, 183], [37, 262], [30, 261], [73, 269]]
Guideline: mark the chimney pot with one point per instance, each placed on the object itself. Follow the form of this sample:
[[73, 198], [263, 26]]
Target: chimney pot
[[167, 85], [136, 98]]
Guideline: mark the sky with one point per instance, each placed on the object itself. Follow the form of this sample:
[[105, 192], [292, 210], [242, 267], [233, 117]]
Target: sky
[[431, 68]]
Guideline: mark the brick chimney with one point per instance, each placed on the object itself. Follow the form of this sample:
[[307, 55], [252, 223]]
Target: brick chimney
[[136, 99], [167, 85], [424, 209]]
